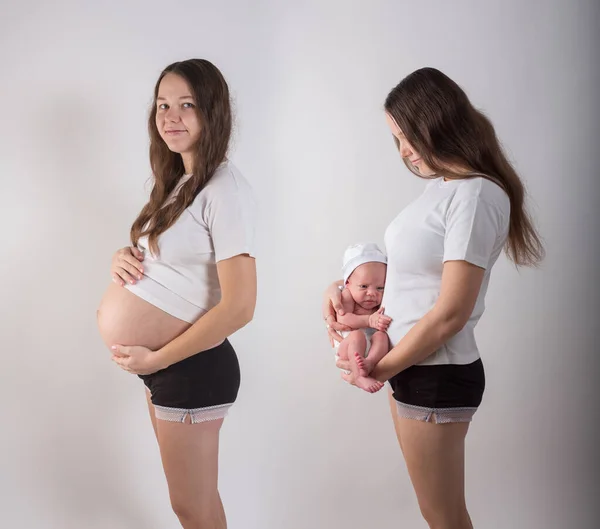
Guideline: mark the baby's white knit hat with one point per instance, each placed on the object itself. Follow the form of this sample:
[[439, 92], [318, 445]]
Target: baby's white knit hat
[[359, 254]]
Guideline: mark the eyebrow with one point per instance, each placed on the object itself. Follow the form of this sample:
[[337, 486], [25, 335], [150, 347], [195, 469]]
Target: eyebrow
[[160, 98]]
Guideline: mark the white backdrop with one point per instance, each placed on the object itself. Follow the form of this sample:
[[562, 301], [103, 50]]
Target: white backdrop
[[300, 449]]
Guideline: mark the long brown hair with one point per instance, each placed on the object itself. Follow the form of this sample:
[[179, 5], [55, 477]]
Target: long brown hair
[[211, 98], [440, 122]]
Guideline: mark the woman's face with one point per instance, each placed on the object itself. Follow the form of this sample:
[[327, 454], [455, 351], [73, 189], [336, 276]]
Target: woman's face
[[176, 117], [406, 149]]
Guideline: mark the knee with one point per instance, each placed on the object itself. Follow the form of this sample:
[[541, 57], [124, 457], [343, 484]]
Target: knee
[[358, 337], [429, 513], [380, 335], [193, 515]]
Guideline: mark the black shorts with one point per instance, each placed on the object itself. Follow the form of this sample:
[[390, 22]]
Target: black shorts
[[451, 392], [203, 386]]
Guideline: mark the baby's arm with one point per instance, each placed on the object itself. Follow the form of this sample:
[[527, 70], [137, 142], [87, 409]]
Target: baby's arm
[[355, 321]]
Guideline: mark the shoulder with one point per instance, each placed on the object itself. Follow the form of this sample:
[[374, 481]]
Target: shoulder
[[347, 299], [227, 179], [481, 189], [226, 186]]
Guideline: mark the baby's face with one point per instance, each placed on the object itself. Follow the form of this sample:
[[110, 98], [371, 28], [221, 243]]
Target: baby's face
[[366, 284]]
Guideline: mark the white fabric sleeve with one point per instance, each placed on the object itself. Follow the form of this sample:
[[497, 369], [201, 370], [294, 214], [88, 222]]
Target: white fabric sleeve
[[473, 227], [231, 219]]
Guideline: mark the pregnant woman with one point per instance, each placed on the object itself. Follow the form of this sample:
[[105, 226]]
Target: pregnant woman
[[441, 249], [186, 283]]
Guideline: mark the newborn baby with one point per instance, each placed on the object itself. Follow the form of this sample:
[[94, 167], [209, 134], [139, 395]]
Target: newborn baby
[[364, 269]]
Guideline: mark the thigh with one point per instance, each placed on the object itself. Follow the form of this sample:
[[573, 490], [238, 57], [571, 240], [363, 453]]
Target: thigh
[[379, 346], [435, 459], [357, 342], [151, 411], [189, 454], [394, 412]]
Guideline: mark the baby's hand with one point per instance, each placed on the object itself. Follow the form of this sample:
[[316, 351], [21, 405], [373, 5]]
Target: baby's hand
[[378, 320]]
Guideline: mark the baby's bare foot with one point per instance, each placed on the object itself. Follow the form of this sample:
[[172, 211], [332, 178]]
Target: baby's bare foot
[[369, 384], [363, 365]]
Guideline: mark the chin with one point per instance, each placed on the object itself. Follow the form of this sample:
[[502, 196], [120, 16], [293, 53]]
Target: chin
[[178, 148]]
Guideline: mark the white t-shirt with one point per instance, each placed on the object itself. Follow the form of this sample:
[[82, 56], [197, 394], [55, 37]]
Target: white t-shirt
[[454, 220], [217, 225]]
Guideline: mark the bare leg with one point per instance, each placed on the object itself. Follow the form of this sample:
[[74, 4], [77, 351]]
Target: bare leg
[[189, 454], [394, 412], [435, 458], [220, 512], [380, 345], [152, 412]]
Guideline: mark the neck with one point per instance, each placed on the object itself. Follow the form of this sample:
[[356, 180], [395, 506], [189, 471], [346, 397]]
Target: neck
[[188, 162]]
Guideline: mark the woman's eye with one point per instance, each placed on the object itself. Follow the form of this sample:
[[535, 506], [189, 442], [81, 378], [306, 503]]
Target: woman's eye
[[162, 106], [188, 105]]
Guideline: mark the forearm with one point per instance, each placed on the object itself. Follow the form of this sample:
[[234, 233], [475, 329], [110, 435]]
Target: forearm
[[355, 321], [426, 337], [211, 329]]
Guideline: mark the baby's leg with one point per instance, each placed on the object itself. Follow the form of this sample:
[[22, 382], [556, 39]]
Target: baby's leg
[[380, 346], [342, 350], [357, 345]]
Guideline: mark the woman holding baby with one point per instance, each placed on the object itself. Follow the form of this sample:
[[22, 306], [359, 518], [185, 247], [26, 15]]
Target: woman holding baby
[[440, 252]]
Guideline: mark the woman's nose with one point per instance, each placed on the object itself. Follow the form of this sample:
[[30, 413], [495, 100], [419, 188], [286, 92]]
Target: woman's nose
[[405, 150], [172, 115]]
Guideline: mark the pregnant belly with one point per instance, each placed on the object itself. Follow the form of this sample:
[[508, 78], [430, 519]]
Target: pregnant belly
[[126, 319]]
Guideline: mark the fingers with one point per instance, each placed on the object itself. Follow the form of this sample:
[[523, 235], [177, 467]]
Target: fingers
[[117, 279], [337, 306], [119, 351], [128, 273], [137, 253], [335, 299], [122, 362], [126, 267], [328, 310], [333, 335], [132, 265], [343, 364], [336, 302], [383, 323]]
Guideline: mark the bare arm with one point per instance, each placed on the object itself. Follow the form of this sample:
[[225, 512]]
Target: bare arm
[[356, 321], [237, 277], [350, 317], [461, 282]]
